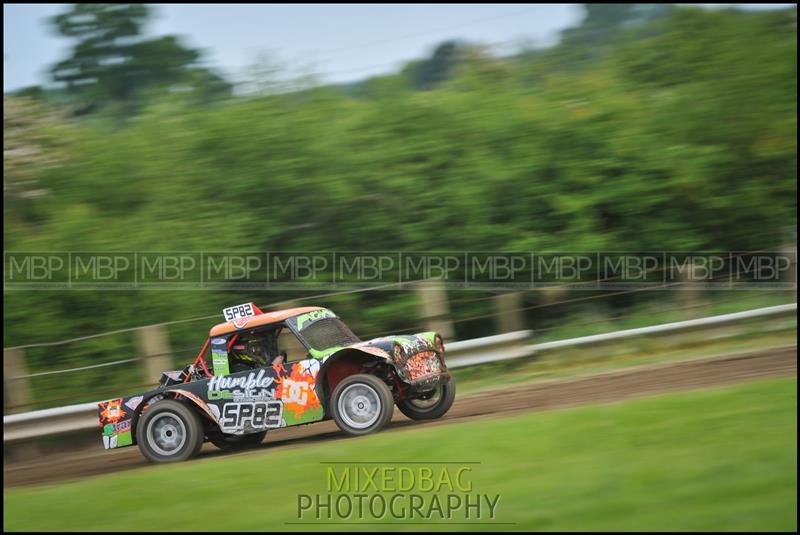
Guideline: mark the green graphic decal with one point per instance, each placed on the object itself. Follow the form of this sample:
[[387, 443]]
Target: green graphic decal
[[220, 361], [311, 415], [124, 439], [430, 336], [313, 316], [321, 353]]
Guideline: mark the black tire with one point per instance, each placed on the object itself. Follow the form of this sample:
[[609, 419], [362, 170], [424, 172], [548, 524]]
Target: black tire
[[169, 431], [361, 404], [432, 407], [227, 442]]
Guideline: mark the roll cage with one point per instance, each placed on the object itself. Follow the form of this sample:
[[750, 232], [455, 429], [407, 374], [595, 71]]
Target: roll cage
[[200, 361]]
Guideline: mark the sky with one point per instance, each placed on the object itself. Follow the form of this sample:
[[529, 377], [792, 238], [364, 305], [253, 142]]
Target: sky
[[342, 42], [345, 42]]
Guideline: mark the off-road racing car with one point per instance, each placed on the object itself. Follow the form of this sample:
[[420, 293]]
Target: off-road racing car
[[280, 369]]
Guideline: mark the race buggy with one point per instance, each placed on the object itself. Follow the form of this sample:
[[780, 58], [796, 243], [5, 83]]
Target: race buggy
[[280, 369]]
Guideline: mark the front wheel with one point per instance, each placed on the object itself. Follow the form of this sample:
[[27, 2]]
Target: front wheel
[[430, 405], [227, 442], [169, 431], [361, 404]]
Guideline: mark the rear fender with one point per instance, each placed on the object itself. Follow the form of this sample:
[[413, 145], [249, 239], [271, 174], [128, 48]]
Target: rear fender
[[119, 417], [175, 393], [209, 410]]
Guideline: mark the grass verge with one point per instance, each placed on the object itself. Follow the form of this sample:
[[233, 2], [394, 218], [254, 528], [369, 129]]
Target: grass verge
[[715, 459]]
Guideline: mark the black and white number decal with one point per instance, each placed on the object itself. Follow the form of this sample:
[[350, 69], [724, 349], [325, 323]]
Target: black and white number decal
[[253, 415], [238, 312]]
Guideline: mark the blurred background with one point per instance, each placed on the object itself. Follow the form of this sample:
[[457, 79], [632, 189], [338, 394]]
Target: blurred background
[[597, 128], [606, 127]]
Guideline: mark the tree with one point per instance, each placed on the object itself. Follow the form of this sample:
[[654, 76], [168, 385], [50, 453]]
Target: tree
[[107, 36], [111, 60], [33, 143], [428, 73], [264, 76], [593, 39]]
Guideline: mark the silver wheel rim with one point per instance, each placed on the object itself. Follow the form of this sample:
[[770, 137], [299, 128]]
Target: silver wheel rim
[[359, 406], [428, 403], [166, 433]]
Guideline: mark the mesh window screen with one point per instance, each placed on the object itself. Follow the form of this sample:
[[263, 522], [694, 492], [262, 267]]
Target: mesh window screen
[[328, 332]]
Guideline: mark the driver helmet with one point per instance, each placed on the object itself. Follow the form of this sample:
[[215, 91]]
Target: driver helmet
[[251, 349]]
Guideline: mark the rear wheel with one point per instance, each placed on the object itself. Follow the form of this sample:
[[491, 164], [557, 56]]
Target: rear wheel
[[361, 404], [228, 442], [430, 405], [169, 431]]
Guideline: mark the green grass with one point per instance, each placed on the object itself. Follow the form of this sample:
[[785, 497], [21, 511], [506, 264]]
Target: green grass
[[715, 459]]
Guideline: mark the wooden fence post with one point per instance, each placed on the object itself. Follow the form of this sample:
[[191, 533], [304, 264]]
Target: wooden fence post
[[435, 308], [790, 250], [691, 297], [16, 392], [17, 397], [509, 317], [155, 351]]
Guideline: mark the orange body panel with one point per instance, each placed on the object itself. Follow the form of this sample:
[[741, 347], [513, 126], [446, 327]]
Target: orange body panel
[[260, 319]]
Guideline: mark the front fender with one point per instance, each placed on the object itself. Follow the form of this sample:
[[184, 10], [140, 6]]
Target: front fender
[[418, 358], [344, 362], [415, 359]]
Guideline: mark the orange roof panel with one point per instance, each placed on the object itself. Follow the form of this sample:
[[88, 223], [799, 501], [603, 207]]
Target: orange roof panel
[[261, 319]]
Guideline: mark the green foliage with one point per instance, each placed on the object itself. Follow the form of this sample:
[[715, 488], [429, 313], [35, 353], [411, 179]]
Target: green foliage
[[428, 73], [33, 144], [680, 136], [112, 62], [600, 30]]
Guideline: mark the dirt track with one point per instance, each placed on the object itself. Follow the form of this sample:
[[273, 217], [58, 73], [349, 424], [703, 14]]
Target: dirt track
[[610, 386]]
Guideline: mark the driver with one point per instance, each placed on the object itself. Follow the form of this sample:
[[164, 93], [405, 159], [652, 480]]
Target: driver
[[254, 351]]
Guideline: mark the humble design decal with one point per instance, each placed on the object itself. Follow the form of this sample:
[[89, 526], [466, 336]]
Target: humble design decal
[[255, 386], [251, 403], [262, 399]]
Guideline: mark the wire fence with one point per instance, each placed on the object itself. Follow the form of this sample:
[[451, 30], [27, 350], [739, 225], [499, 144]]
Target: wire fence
[[373, 334], [455, 304], [106, 390], [563, 286]]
